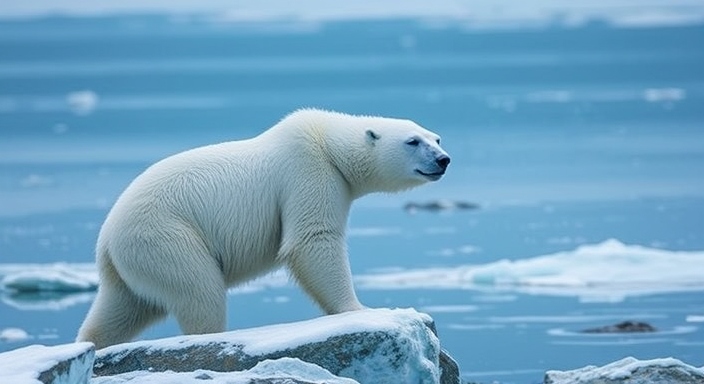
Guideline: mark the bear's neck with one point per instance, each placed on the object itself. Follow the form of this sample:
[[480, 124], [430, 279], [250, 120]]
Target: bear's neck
[[354, 164]]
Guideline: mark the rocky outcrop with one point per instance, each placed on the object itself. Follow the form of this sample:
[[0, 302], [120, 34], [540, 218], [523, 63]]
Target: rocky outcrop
[[623, 327], [370, 346], [61, 364], [631, 371], [439, 206]]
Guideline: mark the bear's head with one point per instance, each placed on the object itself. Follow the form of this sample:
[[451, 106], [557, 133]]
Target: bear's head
[[406, 155], [372, 154]]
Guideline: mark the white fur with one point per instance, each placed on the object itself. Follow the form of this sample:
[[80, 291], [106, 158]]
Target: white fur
[[212, 217]]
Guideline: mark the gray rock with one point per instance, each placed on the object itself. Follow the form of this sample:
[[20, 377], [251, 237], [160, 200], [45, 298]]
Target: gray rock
[[68, 363], [439, 206], [370, 346], [631, 371], [623, 327], [450, 371]]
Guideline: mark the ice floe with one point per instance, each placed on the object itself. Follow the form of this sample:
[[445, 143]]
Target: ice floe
[[609, 271], [53, 286], [57, 277], [57, 286]]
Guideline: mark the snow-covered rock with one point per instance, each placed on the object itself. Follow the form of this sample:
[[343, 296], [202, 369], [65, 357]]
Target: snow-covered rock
[[62, 364], [631, 371], [281, 371], [369, 346]]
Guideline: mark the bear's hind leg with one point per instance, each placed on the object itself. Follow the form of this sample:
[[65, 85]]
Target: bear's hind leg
[[117, 315], [179, 274], [199, 304], [204, 308]]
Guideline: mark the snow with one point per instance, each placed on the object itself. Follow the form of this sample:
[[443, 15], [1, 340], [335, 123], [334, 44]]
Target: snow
[[265, 370], [24, 365], [605, 272], [619, 370], [267, 339]]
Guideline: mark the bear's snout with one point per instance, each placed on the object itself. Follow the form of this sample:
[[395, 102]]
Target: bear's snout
[[443, 161]]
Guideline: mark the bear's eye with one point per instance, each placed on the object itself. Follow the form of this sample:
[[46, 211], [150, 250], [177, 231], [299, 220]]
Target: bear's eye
[[413, 142], [438, 141]]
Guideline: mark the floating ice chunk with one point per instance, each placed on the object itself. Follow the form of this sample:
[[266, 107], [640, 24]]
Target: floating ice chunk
[[373, 231], [58, 277], [82, 102], [449, 308], [46, 301], [551, 96], [57, 285], [13, 334], [655, 95]]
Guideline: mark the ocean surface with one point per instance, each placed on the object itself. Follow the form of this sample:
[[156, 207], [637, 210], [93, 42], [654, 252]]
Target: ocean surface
[[582, 146]]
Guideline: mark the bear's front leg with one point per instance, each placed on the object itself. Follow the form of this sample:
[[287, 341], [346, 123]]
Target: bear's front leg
[[320, 265]]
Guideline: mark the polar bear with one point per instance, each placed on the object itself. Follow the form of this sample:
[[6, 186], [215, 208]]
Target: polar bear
[[206, 219]]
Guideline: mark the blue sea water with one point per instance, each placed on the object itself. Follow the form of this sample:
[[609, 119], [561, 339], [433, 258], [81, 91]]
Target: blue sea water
[[563, 136]]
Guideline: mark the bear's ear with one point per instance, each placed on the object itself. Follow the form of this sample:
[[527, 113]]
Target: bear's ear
[[372, 136]]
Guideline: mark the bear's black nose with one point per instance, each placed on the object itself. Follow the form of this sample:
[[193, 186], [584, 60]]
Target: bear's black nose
[[443, 161]]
